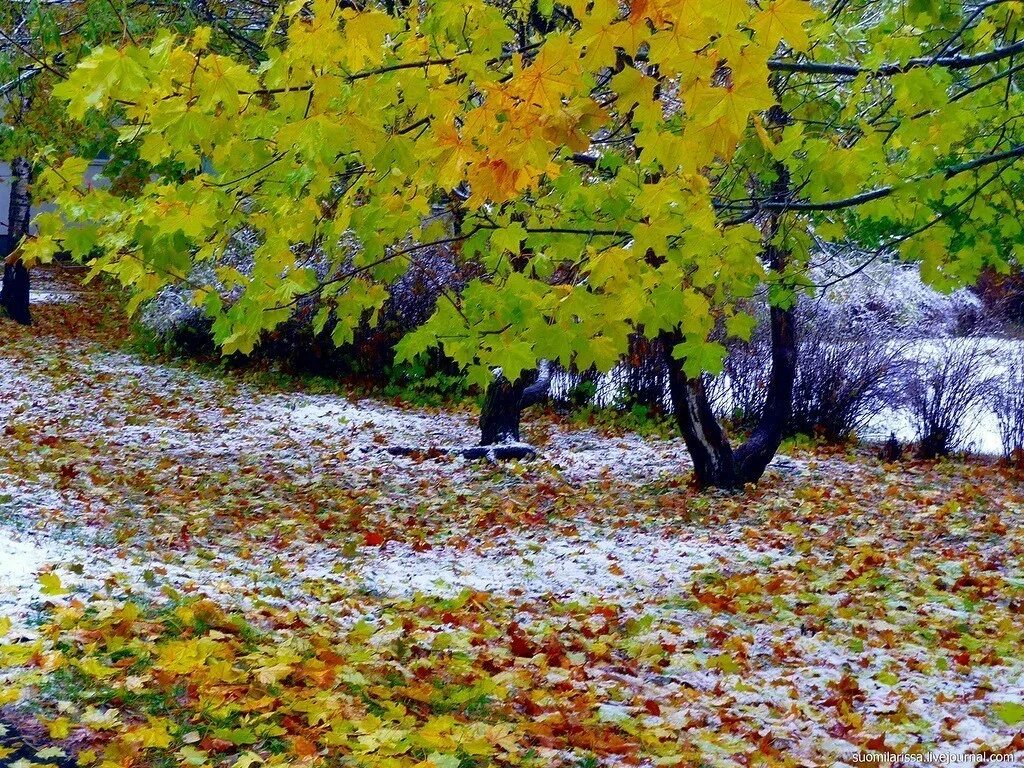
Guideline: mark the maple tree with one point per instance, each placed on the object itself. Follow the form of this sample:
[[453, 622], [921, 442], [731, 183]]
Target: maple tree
[[39, 44], [648, 168]]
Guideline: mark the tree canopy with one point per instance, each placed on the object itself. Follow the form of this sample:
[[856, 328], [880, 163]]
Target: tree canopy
[[615, 169]]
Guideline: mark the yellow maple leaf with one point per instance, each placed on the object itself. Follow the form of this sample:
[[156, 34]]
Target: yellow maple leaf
[[730, 14], [784, 20], [597, 35], [152, 736], [94, 668], [555, 73], [365, 35], [273, 674], [59, 728], [633, 88], [453, 155], [51, 584], [734, 104], [676, 48]]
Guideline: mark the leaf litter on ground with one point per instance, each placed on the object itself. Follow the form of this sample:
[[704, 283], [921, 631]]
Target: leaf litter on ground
[[202, 573]]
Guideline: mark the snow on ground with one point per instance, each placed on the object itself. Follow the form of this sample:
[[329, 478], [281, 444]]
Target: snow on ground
[[626, 568], [238, 420], [197, 420], [154, 414], [22, 558], [54, 287], [52, 297], [84, 560], [120, 454], [178, 415]]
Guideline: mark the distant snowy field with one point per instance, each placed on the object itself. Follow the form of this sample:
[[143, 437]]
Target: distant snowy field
[[891, 303], [981, 427]]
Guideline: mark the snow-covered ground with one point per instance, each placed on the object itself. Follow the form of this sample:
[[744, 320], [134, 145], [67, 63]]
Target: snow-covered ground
[[132, 479], [157, 415], [625, 568], [808, 614]]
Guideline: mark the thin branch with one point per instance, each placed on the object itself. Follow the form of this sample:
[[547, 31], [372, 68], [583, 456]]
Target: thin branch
[[25, 76], [888, 70], [876, 194]]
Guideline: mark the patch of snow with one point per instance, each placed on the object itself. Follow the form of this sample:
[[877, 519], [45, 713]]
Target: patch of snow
[[21, 559], [625, 567], [53, 297]]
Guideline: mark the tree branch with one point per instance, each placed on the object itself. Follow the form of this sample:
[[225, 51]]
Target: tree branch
[[888, 70], [875, 194]]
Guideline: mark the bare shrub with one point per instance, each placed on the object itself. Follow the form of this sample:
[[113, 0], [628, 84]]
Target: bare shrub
[[572, 387], [946, 394], [717, 389], [369, 348], [1007, 399], [845, 375], [738, 395], [643, 376]]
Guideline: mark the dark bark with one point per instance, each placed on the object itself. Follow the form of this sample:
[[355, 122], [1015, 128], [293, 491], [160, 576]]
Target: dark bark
[[706, 440], [496, 452], [892, 450], [14, 295], [504, 402], [753, 456], [716, 464], [500, 412]]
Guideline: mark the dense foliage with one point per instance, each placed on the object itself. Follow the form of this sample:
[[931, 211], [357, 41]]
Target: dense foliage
[[611, 170]]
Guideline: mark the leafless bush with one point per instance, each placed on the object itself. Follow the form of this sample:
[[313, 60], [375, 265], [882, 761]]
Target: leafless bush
[[845, 376], [644, 376], [1007, 401], [946, 393], [572, 387], [717, 389], [737, 395], [740, 393]]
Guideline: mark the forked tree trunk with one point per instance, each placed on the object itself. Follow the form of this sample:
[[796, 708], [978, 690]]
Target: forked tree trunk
[[14, 294], [715, 463], [753, 456], [504, 402]]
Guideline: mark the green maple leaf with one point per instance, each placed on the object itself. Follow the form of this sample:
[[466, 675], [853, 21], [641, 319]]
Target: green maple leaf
[[700, 356], [509, 238], [1010, 712]]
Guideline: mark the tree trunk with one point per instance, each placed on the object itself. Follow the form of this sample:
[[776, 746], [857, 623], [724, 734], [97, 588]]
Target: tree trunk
[[15, 291], [753, 456], [715, 464], [500, 412], [713, 461], [504, 402]]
